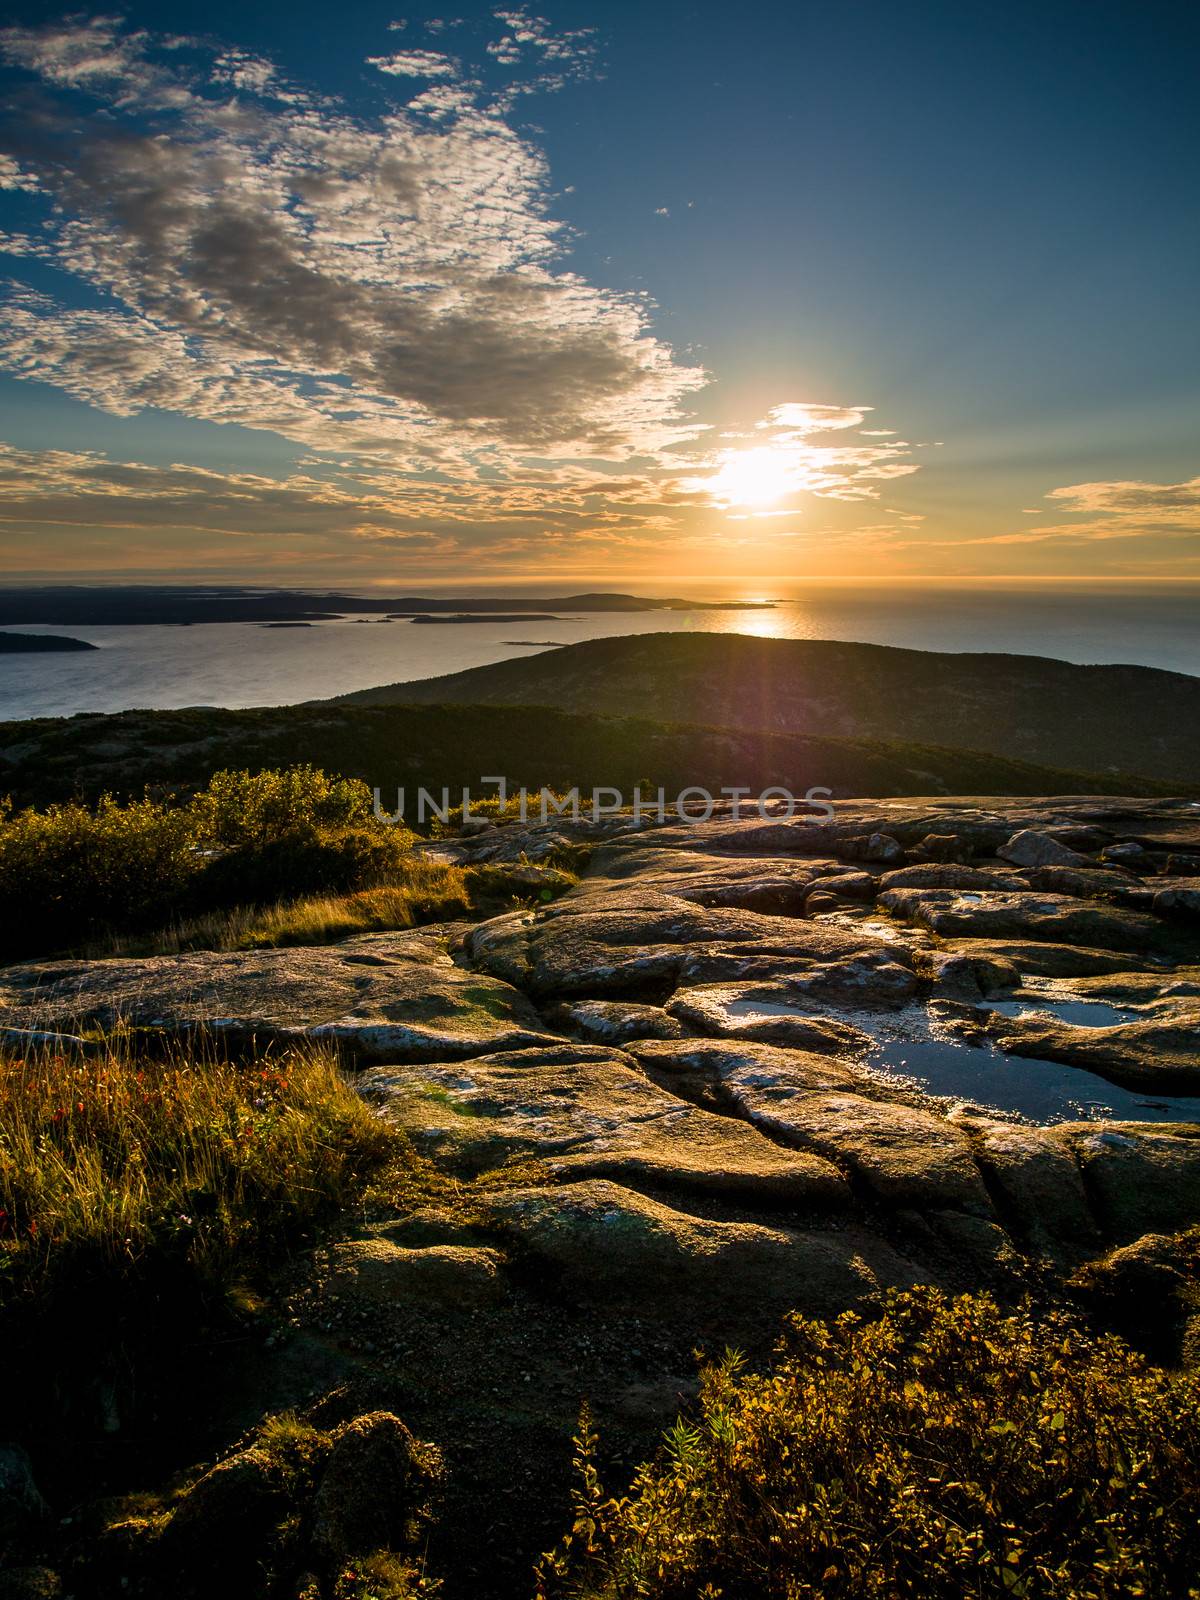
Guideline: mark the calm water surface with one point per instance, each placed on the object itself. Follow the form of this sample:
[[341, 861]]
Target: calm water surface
[[245, 664]]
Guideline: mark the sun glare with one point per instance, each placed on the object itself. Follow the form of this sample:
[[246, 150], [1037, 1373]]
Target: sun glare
[[752, 477]]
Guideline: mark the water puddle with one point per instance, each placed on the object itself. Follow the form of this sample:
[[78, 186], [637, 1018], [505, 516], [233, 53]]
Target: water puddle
[[908, 1048], [1079, 1013], [754, 1009]]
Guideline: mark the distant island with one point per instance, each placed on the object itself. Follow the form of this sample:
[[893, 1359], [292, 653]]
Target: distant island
[[27, 644], [129, 605], [490, 616]]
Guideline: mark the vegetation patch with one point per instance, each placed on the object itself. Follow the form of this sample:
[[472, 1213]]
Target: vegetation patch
[[123, 1174], [74, 872], [943, 1450]]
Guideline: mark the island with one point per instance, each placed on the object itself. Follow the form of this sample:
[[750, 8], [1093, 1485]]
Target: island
[[15, 644], [126, 605], [491, 616]]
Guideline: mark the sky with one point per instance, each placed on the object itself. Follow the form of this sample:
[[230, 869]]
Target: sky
[[610, 294]]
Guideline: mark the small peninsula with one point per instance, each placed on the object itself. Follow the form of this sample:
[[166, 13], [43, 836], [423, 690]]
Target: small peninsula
[[15, 644]]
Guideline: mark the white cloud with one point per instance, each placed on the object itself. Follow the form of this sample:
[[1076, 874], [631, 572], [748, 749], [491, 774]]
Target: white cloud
[[398, 277], [415, 64]]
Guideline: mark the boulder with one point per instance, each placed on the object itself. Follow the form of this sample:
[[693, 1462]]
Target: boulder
[[1038, 959], [1160, 1055], [992, 914], [616, 1021], [939, 875], [374, 1493], [770, 1012], [710, 1070], [1139, 1178], [449, 1275], [605, 940], [883, 847], [968, 976], [1127, 854], [846, 886], [1029, 848], [1179, 899], [892, 1152], [1037, 1184], [948, 847], [223, 1532]]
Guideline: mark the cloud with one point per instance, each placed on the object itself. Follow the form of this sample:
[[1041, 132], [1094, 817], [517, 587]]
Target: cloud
[[400, 276], [781, 461], [1133, 498], [390, 293], [1124, 510], [415, 64]]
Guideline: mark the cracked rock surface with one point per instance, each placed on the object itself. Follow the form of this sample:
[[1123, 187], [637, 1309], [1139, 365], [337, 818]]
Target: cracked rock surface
[[672, 1082]]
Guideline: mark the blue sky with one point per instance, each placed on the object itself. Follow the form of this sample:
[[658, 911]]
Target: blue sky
[[769, 293]]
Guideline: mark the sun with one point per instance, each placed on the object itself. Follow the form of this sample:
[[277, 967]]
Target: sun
[[757, 477]]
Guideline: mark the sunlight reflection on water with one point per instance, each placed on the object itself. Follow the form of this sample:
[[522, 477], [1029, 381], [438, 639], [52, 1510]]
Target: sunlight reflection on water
[[243, 664]]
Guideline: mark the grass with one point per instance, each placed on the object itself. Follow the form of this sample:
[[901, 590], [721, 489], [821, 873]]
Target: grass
[[944, 1450], [427, 891], [72, 873], [119, 1172]]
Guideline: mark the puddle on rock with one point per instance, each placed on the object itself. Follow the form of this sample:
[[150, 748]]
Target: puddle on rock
[[907, 1047], [1079, 1013], [754, 1009]]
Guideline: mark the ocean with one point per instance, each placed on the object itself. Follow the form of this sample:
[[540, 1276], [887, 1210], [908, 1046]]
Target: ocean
[[248, 664]]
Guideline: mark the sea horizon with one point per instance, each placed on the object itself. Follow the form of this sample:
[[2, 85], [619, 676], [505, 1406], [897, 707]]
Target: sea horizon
[[241, 664]]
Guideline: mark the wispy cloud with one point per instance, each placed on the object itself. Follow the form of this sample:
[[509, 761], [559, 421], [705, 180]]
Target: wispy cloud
[[784, 456], [391, 293], [402, 271]]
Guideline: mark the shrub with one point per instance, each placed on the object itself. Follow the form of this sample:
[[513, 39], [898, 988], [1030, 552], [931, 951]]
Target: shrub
[[303, 863], [70, 873], [260, 808], [944, 1450], [69, 870]]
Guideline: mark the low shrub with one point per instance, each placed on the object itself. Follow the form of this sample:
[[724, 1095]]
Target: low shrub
[[70, 869], [306, 862], [258, 808], [944, 1450], [72, 873]]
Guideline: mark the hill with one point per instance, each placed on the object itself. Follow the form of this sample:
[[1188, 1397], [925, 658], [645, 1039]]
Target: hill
[[49, 759], [1101, 719]]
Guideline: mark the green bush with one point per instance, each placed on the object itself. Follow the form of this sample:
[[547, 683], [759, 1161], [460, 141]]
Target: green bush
[[302, 864], [260, 808], [71, 873], [943, 1451], [66, 871]]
